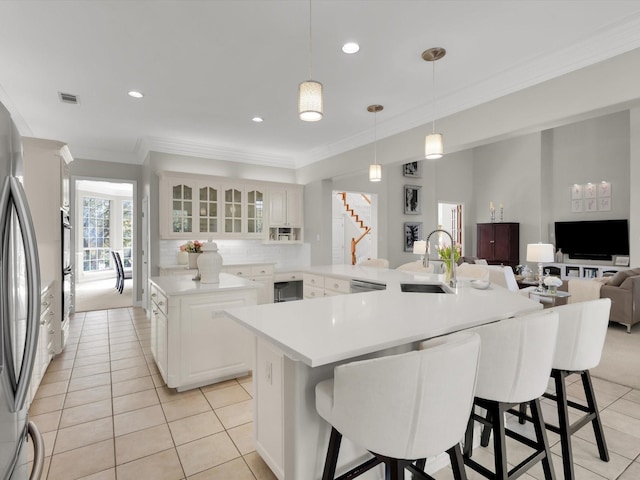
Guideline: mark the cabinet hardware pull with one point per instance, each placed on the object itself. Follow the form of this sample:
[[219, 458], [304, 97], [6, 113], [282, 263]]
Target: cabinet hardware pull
[[42, 322]]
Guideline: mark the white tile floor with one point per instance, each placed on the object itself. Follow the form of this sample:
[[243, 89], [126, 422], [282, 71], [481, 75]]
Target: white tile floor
[[106, 414]]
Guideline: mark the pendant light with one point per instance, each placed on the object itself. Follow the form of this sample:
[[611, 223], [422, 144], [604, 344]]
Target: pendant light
[[433, 144], [375, 169], [310, 92]]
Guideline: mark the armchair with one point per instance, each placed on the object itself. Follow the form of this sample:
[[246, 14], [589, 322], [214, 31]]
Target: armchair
[[624, 291]]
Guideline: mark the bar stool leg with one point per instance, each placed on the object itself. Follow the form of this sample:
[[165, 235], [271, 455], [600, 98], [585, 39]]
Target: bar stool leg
[[563, 423], [468, 435], [499, 441], [486, 431], [541, 437], [597, 424], [394, 469], [457, 463], [332, 455]]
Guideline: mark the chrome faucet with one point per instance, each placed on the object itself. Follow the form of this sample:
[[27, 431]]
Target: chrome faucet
[[453, 280]]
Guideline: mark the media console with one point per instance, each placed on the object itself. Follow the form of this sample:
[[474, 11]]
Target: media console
[[583, 270]]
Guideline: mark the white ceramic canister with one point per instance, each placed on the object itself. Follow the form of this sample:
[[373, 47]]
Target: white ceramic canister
[[210, 263]]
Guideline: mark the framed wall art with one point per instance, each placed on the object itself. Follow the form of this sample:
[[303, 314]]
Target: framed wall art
[[576, 192], [412, 233], [589, 190], [412, 200], [604, 189], [412, 169]]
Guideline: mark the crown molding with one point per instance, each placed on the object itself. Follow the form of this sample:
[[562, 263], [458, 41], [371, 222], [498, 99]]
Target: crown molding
[[179, 147]]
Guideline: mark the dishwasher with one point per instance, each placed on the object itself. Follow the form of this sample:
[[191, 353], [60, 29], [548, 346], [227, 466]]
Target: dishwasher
[[358, 286]]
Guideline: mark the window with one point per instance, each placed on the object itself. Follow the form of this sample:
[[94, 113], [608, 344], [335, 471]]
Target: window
[[127, 233], [96, 216]]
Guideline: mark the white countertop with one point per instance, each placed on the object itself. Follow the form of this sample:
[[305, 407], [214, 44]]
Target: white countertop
[[185, 285], [176, 266], [336, 328]]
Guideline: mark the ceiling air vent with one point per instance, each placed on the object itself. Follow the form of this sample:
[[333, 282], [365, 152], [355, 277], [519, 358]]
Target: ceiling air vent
[[68, 98]]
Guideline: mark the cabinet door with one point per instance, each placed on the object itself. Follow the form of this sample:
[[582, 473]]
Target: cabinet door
[[278, 208], [182, 203], [212, 345], [255, 211], [208, 209], [295, 216], [502, 242], [485, 241], [269, 405], [233, 209]]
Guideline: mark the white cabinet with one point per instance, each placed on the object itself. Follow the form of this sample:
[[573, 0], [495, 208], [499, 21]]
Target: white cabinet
[[269, 405], [45, 179], [286, 218], [45, 348], [192, 340], [577, 270], [261, 273], [205, 207], [315, 286]]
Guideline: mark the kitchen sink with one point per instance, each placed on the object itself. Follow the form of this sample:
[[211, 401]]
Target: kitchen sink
[[424, 288]]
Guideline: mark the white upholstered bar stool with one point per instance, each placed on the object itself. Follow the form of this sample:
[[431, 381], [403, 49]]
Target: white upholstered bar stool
[[472, 271], [375, 262], [402, 408], [581, 335], [515, 363]]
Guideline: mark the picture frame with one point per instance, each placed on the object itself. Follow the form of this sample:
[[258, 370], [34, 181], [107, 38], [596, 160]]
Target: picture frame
[[621, 260], [589, 190], [413, 231], [576, 192], [604, 204], [604, 189], [590, 205], [412, 169], [576, 206], [412, 200]]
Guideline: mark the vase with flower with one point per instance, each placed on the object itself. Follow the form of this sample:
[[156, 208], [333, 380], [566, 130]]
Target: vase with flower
[[444, 252], [552, 284], [194, 249]]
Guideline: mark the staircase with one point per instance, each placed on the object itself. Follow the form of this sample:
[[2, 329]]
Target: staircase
[[360, 223]]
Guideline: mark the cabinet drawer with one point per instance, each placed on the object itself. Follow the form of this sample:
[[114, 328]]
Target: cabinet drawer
[[313, 292], [240, 271], [339, 285], [159, 300], [261, 270], [313, 280], [288, 276]]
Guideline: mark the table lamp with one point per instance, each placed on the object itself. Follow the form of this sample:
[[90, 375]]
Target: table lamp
[[540, 253], [420, 248]]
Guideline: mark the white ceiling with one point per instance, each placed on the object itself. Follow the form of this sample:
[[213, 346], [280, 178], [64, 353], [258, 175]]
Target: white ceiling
[[207, 67]]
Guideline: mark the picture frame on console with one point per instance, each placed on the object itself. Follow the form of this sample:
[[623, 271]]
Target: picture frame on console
[[412, 200], [412, 233]]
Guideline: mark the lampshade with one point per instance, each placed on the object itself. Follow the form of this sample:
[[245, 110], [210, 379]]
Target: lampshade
[[419, 247], [433, 146], [375, 172], [310, 101], [540, 252]]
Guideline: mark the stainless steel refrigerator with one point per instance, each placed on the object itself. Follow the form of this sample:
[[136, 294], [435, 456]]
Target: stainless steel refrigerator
[[19, 312]]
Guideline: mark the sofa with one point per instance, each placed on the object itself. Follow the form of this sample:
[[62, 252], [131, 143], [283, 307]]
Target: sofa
[[624, 291]]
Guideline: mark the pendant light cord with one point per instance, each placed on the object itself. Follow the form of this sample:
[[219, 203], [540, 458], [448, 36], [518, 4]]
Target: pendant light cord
[[433, 96], [375, 137], [310, 44]]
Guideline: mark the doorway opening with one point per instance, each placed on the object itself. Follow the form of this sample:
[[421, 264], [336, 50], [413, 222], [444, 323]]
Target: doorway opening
[[354, 227], [104, 229], [450, 219]]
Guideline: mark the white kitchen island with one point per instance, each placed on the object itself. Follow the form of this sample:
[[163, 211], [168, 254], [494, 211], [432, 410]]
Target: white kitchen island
[[193, 341], [299, 343]]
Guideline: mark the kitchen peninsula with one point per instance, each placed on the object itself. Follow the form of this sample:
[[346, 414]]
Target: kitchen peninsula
[[299, 343]]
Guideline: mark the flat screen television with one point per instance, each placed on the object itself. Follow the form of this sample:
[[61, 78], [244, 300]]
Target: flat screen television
[[593, 240]]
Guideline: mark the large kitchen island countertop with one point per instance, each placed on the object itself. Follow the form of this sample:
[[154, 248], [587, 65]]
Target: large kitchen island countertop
[[185, 285], [336, 328]]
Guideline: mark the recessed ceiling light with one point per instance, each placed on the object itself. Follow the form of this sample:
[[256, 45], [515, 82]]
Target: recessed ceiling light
[[350, 47], [135, 94], [258, 119]]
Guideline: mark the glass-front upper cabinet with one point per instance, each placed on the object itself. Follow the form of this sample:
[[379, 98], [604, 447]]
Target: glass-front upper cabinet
[[255, 211], [182, 208], [233, 210], [208, 210]]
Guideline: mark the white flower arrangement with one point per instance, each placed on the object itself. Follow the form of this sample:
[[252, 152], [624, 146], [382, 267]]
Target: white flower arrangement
[[552, 282]]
